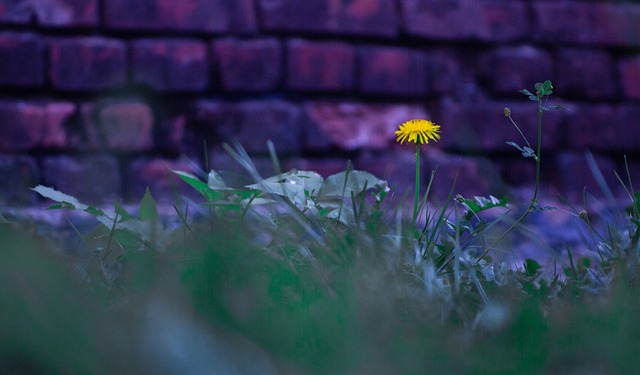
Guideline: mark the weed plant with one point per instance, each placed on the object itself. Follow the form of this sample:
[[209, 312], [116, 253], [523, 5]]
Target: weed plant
[[325, 276]]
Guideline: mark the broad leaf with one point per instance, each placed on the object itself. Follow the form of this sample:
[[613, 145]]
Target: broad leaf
[[148, 210]]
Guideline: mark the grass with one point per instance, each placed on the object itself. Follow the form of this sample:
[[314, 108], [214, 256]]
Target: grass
[[301, 274]]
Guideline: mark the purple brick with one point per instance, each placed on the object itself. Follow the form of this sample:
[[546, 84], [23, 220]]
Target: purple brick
[[170, 65], [320, 66], [392, 71], [360, 17], [492, 20], [260, 121], [482, 127], [58, 119], [575, 175], [602, 127], [157, 176], [451, 72], [22, 57], [85, 64], [191, 15], [249, 65], [630, 77], [352, 126], [590, 23], [19, 174], [473, 176], [59, 13], [21, 125], [92, 179], [585, 74], [509, 69], [126, 127]]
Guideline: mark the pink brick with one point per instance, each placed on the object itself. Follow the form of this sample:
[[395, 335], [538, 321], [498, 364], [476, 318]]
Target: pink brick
[[249, 65], [585, 73], [22, 57], [191, 15], [126, 126], [59, 13], [21, 125], [392, 71], [320, 66], [19, 174], [587, 22], [85, 64], [510, 69], [492, 20], [630, 77], [360, 17], [170, 64], [92, 179]]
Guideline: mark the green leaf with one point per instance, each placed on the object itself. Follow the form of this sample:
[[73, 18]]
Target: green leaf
[[201, 187], [55, 195], [480, 204], [335, 185], [294, 185], [148, 210], [531, 267], [527, 152]]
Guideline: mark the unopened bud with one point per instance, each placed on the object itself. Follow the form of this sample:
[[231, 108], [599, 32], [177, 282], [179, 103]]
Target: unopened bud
[[507, 111]]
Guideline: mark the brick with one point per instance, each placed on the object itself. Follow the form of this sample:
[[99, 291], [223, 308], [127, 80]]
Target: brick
[[604, 128], [451, 72], [170, 64], [585, 73], [392, 71], [249, 65], [211, 16], [510, 69], [575, 175], [491, 20], [397, 167], [57, 121], [155, 173], [85, 64], [22, 57], [630, 77], [92, 179], [59, 13], [482, 127], [260, 121], [616, 24], [359, 17], [320, 66], [21, 125], [19, 173], [357, 125], [127, 126], [473, 176]]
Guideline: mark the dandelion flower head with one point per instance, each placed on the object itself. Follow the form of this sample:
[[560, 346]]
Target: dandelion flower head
[[418, 131]]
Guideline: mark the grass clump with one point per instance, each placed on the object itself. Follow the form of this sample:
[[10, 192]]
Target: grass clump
[[325, 276]]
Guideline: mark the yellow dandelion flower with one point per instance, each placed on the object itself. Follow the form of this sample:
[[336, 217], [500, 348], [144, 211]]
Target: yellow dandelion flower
[[418, 131]]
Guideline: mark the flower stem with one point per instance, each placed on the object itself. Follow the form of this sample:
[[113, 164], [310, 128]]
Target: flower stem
[[417, 192]]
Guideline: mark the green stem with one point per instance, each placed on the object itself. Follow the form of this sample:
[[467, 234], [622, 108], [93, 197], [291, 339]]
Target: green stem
[[534, 200], [416, 197]]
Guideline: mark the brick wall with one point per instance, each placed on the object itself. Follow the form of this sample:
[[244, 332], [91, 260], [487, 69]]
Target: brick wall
[[99, 97]]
